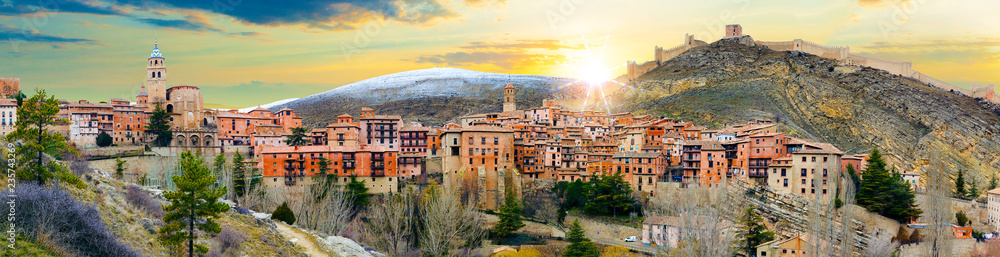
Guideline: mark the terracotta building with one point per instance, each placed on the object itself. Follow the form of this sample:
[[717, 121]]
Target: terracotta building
[[294, 166], [381, 130]]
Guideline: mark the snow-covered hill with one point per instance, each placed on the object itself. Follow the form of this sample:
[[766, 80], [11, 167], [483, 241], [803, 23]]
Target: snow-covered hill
[[268, 106], [433, 95], [432, 82]]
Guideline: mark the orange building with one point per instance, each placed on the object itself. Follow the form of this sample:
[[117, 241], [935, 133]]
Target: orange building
[[129, 122], [640, 169], [291, 165], [764, 148]]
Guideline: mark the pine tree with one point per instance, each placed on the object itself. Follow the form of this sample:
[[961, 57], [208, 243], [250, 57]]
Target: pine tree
[[159, 126], [119, 168], [960, 185], [973, 191], [510, 217], [580, 245], [611, 195], [752, 232], [239, 175], [190, 203], [884, 193], [35, 137], [298, 137], [993, 182], [219, 164], [359, 192]]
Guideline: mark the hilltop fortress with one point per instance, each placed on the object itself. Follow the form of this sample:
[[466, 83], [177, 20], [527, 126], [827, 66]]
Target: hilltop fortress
[[842, 54]]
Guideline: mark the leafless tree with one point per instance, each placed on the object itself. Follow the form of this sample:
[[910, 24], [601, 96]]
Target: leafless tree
[[326, 210], [881, 245], [846, 193], [447, 221], [390, 225], [701, 224], [824, 231], [539, 201], [938, 209]]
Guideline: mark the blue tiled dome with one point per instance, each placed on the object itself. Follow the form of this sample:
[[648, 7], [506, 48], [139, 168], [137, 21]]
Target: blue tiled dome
[[156, 52]]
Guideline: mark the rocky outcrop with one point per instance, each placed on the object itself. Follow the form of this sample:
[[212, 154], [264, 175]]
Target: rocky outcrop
[[856, 108]]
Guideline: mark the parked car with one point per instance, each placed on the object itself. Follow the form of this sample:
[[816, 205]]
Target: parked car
[[631, 239]]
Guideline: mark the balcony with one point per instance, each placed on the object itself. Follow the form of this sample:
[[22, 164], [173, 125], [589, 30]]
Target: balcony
[[378, 174], [758, 174], [378, 166], [292, 167], [349, 165], [348, 157], [759, 164], [377, 158]]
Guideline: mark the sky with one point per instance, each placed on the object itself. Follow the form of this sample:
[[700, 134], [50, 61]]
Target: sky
[[245, 53]]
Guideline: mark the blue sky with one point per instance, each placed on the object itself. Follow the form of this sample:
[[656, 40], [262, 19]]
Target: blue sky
[[244, 52]]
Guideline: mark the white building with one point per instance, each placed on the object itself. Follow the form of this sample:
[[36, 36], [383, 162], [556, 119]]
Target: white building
[[8, 116], [993, 205]]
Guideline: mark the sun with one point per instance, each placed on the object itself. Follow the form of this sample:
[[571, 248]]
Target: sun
[[594, 73]]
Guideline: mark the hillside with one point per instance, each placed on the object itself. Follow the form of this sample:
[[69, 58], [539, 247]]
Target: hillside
[[432, 96], [732, 80]]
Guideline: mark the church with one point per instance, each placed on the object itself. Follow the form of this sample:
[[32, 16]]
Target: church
[[193, 126]]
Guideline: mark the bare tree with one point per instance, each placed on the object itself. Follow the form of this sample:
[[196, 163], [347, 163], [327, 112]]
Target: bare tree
[[390, 225], [539, 201], [447, 221], [325, 210], [824, 231], [694, 212], [938, 207], [881, 245]]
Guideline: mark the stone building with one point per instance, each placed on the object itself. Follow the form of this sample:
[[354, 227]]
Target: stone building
[[9, 87], [509, 103], [382, 130], [993, 208], [812, 170]]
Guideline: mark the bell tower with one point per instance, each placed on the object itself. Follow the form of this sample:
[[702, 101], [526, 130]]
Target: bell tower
[[509, 103], [156, 76]]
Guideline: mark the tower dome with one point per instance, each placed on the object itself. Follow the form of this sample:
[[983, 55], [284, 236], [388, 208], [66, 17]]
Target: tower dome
[[156, 52]]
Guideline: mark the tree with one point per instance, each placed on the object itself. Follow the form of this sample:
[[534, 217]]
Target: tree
[[973, 191], [854, 177], [283, 213], [611, 195], [19, 96], [298, 136], [192, 205], [391, 223], [510, 217], [916, 237], [120, 168], [752, 232], [219, 164], [884, 193], [993, 182], [34, 137], [104, 140], [159, 126], [580, 245], [446, 223], [359, 192], [961, 219], [960, 191], [881, 246], [243, 176]]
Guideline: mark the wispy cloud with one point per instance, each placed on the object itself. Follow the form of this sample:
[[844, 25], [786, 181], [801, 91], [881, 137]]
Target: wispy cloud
[[13, 33], [14, 8], [507, 54], [547, 44]]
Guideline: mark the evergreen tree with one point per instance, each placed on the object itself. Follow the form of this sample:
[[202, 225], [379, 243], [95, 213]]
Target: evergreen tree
[[19, 96], [283, 213], [973, 191], [104, 140], [35, 138], [244, 178], [580, 245], [298, 136], [119, 168], [960, 191], [359, 192], [193, 202], [993, 182], [159, 126], [854, 177], [219, 164], [510, 217], [961, 219], [611, 194], [884, 193], [752, 232]]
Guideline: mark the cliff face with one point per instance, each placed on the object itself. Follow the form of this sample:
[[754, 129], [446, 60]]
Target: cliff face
[[857, 109]]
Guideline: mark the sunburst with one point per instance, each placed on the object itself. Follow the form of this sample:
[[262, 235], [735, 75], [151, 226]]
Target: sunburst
[[593, 73]]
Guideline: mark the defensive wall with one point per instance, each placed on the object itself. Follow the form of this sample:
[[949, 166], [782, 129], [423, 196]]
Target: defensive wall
[[841, 53]]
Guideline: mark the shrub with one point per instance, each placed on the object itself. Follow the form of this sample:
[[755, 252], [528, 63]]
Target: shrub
[[64, 175], [142, 200], [57, 216], [961, 218], [283, 213], [241, 210], [230, 240], [104, 139]]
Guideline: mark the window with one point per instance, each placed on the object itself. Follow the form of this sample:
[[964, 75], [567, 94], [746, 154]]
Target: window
[[803, 159], [814, 159], [824, 158], [803, 172]]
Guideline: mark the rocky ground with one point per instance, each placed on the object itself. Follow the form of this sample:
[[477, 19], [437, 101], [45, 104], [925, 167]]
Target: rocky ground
[[856, 108]]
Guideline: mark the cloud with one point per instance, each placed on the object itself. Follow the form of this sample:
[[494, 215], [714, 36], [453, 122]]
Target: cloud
[[15, 8], [484, 3], [15, 34], [248, 34], [323, 14], [506, 60], [193, 21], [963, 50], [547, 44]]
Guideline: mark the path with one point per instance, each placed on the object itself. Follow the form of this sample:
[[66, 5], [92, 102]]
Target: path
[[306, 241]]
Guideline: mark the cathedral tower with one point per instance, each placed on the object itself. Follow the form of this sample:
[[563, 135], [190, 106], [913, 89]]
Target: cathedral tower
[[156, 76], [509, 104]]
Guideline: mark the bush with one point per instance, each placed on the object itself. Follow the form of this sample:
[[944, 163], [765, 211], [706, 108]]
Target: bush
[[73, 226], [71, 179], [104, 139], [283, 213], [142, 200], [230, 240], [961, 219], [241, 210]]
